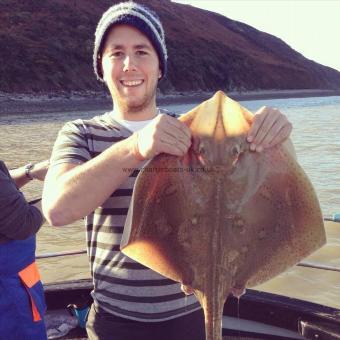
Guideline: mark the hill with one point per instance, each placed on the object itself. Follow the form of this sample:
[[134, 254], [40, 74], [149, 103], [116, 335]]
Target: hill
[[46, 46]]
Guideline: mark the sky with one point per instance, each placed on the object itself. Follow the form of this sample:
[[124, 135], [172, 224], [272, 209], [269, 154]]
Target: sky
[[312, 27]]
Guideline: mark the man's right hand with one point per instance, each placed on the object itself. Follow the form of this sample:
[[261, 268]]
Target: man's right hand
[[165, 134]]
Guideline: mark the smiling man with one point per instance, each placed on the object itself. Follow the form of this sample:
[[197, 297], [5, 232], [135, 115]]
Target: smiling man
[[131, 70], [87, 177]]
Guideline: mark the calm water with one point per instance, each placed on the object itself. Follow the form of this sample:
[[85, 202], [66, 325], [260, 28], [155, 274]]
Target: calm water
[[316, 138]]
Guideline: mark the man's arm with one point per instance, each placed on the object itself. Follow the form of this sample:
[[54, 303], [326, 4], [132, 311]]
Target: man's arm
[[38, 171], [72, 191], [18, 219]]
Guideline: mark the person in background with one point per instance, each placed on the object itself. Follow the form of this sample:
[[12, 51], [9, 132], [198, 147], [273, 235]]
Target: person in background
[[88, 166], [22, 303]]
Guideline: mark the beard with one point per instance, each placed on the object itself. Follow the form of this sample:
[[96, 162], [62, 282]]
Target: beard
[[135, 104]]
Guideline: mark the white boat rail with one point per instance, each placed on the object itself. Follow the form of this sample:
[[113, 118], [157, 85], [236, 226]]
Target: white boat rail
[[61, 253], [307, 264], [83, 251]]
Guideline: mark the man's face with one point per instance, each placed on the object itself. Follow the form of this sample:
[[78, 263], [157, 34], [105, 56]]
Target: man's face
[[130, 68]]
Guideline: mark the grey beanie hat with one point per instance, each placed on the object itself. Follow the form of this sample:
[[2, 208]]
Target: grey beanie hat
[[142, 18]]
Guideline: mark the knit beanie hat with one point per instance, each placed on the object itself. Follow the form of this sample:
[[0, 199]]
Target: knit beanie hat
[[142, 18]]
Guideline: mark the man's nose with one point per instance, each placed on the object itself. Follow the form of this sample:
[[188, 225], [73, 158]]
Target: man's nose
[[129, 63]]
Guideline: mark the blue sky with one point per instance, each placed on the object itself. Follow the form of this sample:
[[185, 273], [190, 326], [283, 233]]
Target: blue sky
[[312, 27]]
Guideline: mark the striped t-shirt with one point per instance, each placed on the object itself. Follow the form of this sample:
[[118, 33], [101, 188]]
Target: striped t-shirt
[[121, 285]]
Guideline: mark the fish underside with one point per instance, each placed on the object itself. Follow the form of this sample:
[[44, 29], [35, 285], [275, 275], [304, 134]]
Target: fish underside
[[222, 218]]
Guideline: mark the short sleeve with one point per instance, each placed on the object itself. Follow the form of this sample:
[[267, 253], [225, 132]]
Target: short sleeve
[[71, 145]]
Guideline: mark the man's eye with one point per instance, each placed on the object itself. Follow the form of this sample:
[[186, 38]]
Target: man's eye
[[141, 52], [117, 54]]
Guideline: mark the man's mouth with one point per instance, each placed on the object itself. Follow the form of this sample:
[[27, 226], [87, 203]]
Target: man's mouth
[[131, 83]]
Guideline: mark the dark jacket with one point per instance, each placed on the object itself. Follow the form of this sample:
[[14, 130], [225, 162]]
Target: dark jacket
[[18, 219]]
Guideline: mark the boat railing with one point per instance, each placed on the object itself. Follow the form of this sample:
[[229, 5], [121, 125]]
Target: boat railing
[[61, 253], [307, 264], [83, 251]]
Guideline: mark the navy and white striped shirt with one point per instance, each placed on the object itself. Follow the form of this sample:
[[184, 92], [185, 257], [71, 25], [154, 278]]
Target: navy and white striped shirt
[[121, 285]]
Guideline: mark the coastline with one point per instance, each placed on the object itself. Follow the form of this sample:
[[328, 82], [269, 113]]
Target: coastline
[[13, 103]]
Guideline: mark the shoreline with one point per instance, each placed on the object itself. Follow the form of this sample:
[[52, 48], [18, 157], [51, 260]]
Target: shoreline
[[13, 103]]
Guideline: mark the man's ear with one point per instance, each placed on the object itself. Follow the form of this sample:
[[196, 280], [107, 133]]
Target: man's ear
[[100, 65], [159, 74], [104, 76]]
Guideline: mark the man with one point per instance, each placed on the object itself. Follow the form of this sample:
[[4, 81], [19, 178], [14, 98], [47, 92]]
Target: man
[[87, 178], [22, 302]]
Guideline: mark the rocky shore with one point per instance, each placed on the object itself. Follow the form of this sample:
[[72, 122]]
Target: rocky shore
[[14, 103]]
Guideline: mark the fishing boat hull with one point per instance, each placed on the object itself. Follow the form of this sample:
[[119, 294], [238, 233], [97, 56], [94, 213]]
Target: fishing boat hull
[[257, 315]]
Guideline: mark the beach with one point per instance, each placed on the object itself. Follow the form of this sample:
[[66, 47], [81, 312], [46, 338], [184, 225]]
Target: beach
[[80, 101]]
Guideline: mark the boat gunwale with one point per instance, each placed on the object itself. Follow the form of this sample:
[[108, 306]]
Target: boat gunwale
[[276, 310]]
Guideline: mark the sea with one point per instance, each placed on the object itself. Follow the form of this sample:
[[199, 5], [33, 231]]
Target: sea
[[316, 137]]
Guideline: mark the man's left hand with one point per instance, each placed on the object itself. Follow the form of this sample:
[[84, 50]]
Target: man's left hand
[[270, 127], [187, 290]]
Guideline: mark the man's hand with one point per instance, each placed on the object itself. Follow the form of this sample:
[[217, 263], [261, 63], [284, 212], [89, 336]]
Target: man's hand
[[165, 134], [187, 290], [269, 127]]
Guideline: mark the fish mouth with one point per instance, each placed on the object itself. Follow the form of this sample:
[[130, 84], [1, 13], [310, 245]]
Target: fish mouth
[[218, 169]]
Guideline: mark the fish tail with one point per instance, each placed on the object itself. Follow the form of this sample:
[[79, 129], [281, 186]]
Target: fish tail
[[213, 311]]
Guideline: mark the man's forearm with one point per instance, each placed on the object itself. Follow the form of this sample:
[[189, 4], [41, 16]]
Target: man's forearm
[[75, 193], [37, 171], [19, 176]]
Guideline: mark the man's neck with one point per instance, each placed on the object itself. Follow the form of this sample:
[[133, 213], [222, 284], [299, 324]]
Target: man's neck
[[146, 113]]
